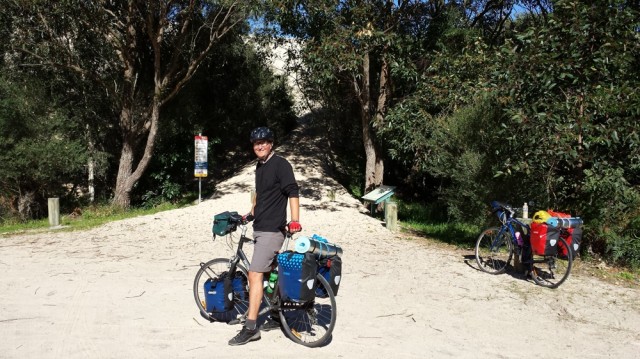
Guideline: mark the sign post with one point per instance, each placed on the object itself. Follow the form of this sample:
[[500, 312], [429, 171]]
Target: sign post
[[200, 161], [383, 194]]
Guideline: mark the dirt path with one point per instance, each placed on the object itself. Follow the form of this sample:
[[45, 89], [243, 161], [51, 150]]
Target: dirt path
[[124, 290]]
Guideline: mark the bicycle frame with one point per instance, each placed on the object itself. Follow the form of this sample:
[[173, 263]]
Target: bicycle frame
[[240, 255], [508, 225], [512, 232], [271, 301], [309, 323], [493, 252]]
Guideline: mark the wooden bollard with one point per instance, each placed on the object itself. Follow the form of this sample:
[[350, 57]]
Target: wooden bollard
[[54, 212], [391, 216]]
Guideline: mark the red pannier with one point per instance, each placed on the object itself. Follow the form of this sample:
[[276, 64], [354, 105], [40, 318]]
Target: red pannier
[[544, 239], [573, 236]]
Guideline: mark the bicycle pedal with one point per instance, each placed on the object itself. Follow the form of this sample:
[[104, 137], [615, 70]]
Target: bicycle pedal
[[296, 333]]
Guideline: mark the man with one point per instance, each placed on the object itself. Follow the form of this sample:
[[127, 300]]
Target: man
[[275, 186]]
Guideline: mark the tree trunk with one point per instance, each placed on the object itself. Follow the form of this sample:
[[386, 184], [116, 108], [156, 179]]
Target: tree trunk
[[122, 192], [384, 90], [127, 175], [374, 166]]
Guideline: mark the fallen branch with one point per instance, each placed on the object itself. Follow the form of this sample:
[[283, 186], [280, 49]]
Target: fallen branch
[[391, 315], [14, 319], [137, 296]]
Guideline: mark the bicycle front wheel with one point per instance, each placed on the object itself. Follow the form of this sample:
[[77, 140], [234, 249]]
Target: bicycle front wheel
[[311, 323], [551, 271], [212, 270], [494, 250]]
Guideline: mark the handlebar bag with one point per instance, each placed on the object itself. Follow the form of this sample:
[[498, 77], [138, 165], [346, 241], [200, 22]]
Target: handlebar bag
[[501, 211], [544, 239], [223, 224], [297, 276]]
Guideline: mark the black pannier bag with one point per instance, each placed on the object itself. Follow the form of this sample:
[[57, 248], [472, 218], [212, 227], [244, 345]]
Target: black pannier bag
[[331, 269]]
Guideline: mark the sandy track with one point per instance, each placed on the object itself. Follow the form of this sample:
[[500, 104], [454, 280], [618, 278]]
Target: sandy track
[[124, 290]]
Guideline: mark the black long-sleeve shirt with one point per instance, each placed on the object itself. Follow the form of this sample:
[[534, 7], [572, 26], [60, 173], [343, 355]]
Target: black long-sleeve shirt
[[275, 184]]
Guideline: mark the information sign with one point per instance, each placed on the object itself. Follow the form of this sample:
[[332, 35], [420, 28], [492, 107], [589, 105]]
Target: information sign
[[200, 156]]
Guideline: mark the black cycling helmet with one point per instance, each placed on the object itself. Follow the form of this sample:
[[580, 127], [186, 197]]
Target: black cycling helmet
[[261, 133]]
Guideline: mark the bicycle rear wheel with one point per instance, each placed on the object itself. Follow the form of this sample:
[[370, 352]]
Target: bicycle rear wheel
[[214, 269], [551, 271], [494, 250], [311, 323]]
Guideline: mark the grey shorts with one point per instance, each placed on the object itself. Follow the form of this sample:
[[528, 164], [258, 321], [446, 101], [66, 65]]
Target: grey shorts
[[267, 246]]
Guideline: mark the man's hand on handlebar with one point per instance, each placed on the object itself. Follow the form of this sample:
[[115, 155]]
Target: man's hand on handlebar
[[247, 218], [294, 227]]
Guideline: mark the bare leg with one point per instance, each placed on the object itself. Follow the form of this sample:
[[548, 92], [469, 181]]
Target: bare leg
[[255, 294], [250, 331]]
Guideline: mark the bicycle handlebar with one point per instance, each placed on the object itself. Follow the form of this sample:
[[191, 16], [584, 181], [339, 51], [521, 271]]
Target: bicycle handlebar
[[244, 220], [248, 218], [238, 219], [499, 206]]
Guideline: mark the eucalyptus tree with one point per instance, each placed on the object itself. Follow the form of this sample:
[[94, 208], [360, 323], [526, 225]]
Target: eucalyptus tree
[[372, 51], [140, 53]]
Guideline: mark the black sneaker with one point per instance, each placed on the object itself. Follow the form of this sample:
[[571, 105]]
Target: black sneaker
[[245, 336], [270, 324]]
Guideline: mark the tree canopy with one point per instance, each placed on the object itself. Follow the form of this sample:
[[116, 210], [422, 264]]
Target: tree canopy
[[455, 102], [141, 54]]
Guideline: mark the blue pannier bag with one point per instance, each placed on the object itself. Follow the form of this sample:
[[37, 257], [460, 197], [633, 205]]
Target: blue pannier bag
[[214, 295], [239, 285], [222, 292], [297, 276]]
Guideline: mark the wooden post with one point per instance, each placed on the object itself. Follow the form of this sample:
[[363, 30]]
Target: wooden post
[[391, 216], [54, 212], [331, 194]]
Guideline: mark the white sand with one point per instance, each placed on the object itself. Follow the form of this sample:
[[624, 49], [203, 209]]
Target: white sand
[[124, 290]]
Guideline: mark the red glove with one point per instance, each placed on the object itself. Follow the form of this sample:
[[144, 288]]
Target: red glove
[[294, 226], [247, 218]]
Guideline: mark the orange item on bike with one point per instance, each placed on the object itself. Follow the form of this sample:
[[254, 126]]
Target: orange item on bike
[[558, 214], [544, 239]]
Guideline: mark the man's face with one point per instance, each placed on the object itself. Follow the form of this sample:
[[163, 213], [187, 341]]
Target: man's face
[[262, 148]]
